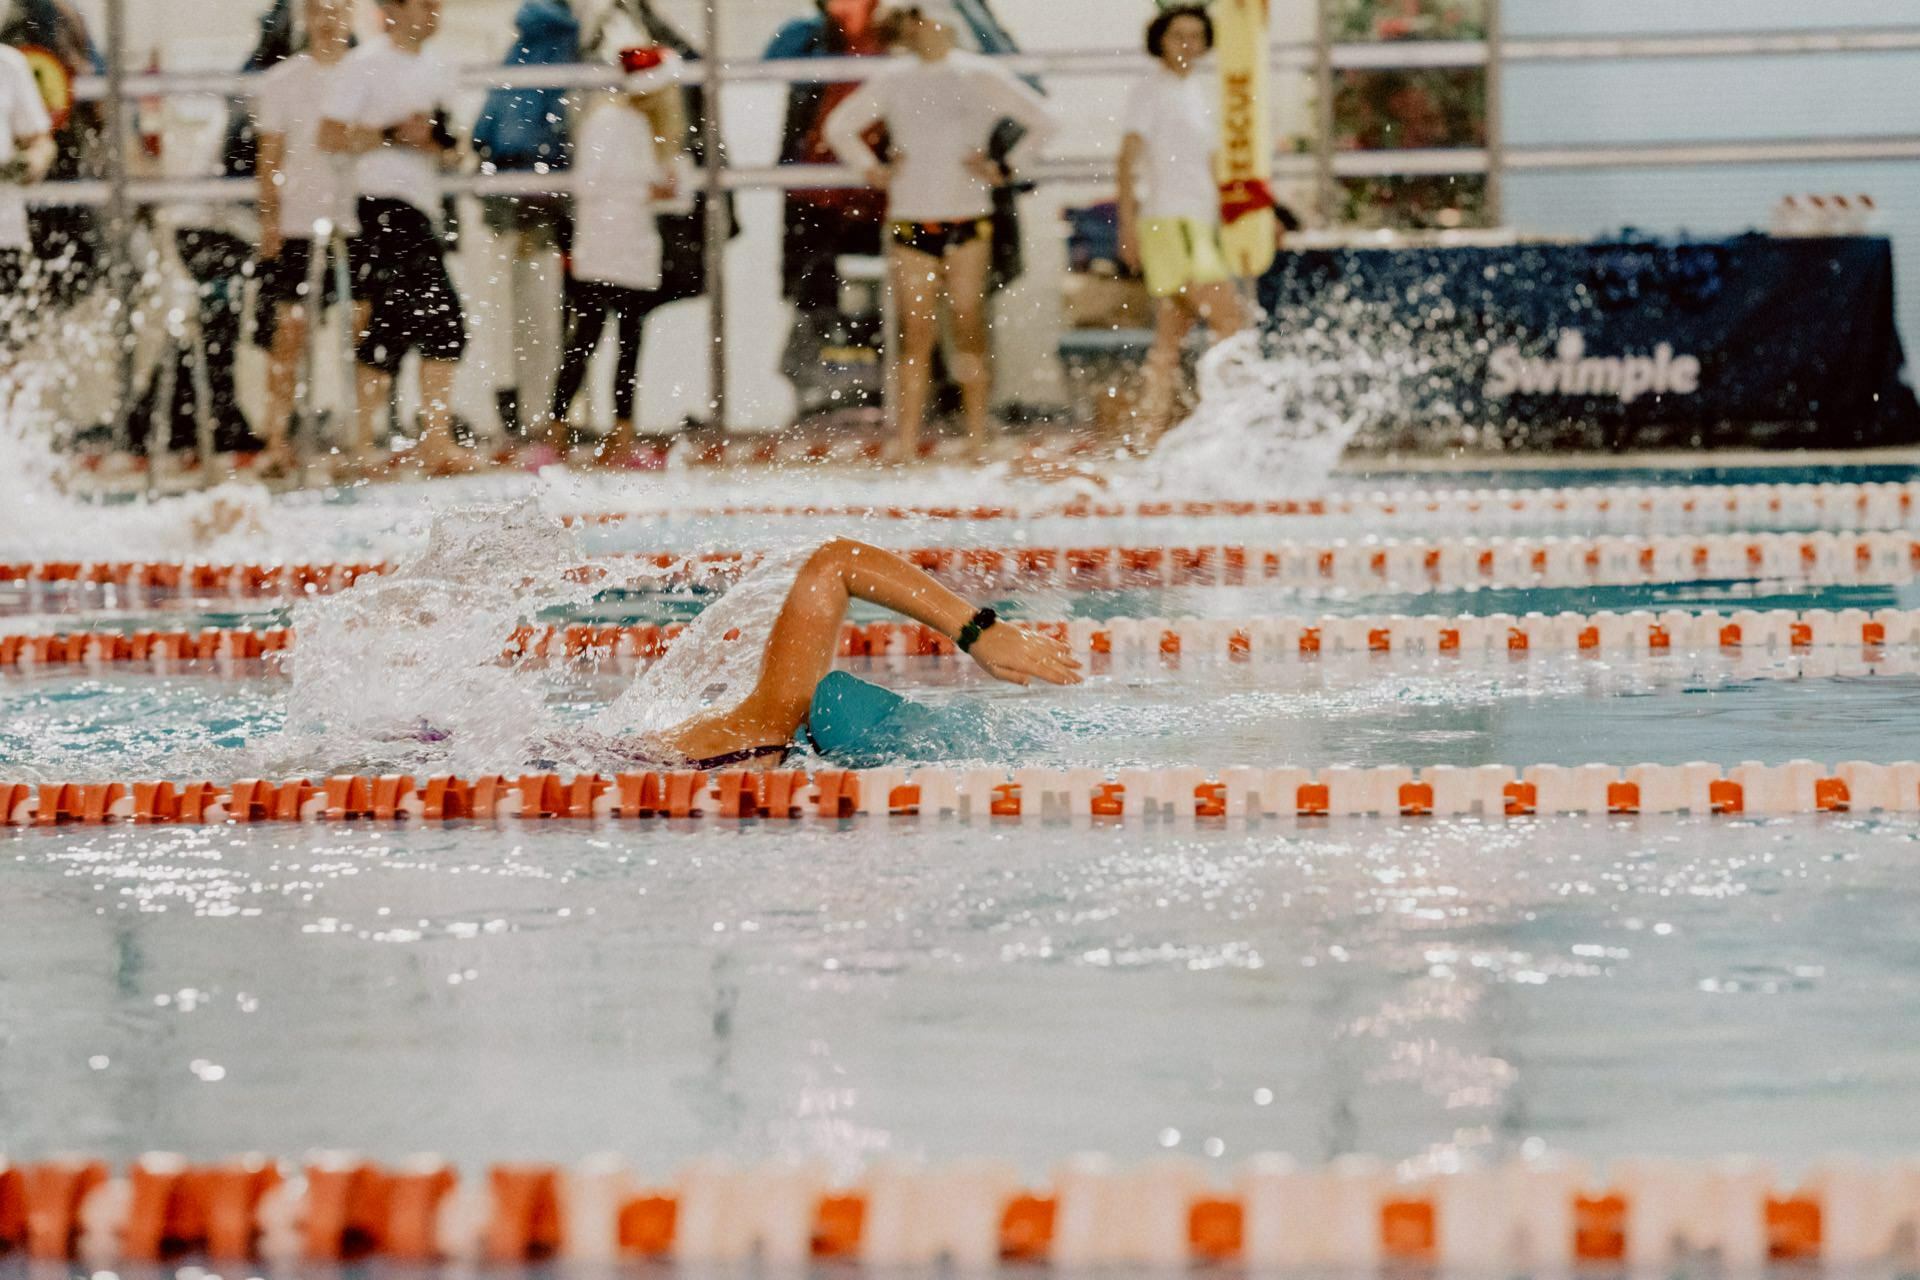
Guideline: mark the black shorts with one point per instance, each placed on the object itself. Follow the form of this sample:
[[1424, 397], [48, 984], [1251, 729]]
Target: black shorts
[[283, 278], [399, 267], [935, 238], [20, 298]]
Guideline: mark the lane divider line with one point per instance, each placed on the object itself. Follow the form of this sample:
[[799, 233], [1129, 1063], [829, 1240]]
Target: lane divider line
[[975, 795], [1269, 1212], [1604, 633], [1623, 508], [1409, 565]]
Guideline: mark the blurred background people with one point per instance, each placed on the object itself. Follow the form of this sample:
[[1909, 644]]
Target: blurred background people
[[1169, 208], [630, 158], [823, 224], [526, 130], [54, 38], [304, 193], [26, 157], [940, 107], [387, 108]]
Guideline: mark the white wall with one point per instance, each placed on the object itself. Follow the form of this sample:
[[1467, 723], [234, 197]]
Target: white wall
[[1841, 95]]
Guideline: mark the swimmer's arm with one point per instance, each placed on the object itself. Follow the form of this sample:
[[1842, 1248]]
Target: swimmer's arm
[[880, 577], [806, 637]]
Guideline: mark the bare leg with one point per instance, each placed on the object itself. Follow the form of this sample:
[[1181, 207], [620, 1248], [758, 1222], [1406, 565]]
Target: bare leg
[[1160, 378], [967, 268], [619, 442], [371, 387], [806, 636], [437, 449], [1218, 306], [916, 293], [283, 378]]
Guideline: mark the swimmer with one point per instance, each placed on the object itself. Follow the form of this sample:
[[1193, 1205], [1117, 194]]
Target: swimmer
[[842, 715]]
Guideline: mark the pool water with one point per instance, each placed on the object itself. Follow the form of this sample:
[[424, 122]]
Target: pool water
[[1415, 710], [1681, 986], [1418, 990]]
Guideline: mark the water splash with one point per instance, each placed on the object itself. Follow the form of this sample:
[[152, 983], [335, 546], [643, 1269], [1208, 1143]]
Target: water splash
[[715, 662], [413, 661], [1280, 402]]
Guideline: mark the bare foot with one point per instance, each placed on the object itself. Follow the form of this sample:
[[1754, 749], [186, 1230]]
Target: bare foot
[[362, 464], [451, 461]]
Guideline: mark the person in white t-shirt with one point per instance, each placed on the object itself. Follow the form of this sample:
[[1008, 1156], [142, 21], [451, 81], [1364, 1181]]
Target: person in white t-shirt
[[627, 160], [940, 108], [386, 107], [26, 154], [301, 188], [1170, 231]]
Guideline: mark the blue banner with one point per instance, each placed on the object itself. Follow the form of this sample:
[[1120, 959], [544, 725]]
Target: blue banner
[[1751, 340]]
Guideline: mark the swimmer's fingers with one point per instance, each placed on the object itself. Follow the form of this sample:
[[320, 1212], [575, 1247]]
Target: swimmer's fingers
[[1058, 665], [1019, 656]]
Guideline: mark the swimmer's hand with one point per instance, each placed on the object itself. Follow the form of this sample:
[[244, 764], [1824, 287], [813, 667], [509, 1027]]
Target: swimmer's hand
[[1008, 652]]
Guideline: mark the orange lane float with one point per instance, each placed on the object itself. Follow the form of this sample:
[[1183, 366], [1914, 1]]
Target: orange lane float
[[1615, 507], [1490, 791], [1407, 565], [1356, 1213], [1132, 640]]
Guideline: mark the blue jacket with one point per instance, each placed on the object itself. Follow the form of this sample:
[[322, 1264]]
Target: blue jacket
[[521, 128]]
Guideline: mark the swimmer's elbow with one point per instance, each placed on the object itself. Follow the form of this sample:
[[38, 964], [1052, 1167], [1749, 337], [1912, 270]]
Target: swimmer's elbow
[[840, 553]]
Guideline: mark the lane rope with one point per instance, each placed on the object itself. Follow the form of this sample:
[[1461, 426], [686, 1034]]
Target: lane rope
[[1358, 1212], [1124, 640], [1411, 565], [1616, 508], [990, 794]]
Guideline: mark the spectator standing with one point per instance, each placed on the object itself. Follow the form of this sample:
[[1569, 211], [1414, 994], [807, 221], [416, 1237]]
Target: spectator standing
[[302, 190], [940, 109], [26, 154], [627, 159], [526, 130], [1171, 231], [386, 108]]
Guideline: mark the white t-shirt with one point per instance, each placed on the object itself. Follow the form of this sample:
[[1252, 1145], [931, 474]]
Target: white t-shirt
[[615, 238], [313, 184], [23, 114], [1175, 117], [937, 114], [378, 86]]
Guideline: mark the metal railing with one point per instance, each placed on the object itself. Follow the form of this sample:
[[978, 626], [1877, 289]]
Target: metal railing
[[1326, 165]]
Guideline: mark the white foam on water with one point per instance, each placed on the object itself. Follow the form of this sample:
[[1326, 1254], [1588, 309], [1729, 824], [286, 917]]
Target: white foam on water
[[407, 670], [714, 663], [46, 514], [413, 659], [1280, 401]]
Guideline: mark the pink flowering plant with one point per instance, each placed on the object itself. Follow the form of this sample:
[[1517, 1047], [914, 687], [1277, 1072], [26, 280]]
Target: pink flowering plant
[[1410, 20], [1411, 109]]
